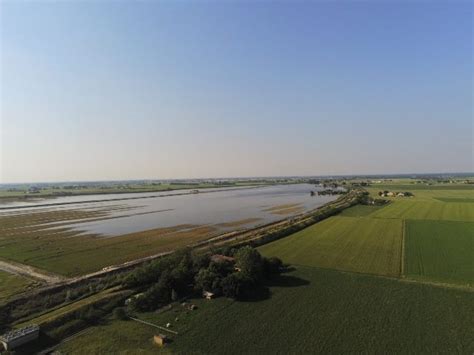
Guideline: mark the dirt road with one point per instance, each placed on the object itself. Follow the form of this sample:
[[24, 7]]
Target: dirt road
[[29, 271]]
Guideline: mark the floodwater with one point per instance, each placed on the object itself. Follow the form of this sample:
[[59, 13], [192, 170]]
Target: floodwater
[[128, 213]]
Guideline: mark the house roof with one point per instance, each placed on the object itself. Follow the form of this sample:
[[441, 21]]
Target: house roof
[[218, 258]]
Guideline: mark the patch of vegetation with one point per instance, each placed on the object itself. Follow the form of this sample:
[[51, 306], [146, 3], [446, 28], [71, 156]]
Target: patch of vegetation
[[11, 285], [237, 275], [309, 308], [456, 199], [440, 250], [423, 209], [360, 211], [29, 238], [345, 243]]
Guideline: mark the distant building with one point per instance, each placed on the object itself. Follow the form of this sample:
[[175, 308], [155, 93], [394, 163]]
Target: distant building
[[160, 339], [19, 337], [33, 190]]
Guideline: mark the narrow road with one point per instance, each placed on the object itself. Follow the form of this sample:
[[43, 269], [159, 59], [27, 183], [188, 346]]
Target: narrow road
[[29, 271]]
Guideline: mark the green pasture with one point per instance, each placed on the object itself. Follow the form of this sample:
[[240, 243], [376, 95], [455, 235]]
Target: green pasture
[[308, 310], [358, 244], [440, 251], [13, 284]]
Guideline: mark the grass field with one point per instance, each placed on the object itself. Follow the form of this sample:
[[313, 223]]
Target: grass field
[[310, 310], [360, 211], [345, 243], [440, 250], [12, 284], [432, 210]]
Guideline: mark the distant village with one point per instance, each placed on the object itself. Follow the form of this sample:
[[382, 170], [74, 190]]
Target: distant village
[[386, 193]]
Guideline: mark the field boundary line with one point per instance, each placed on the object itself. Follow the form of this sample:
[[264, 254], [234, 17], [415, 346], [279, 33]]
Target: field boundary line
[[461, 287], [153, 325], [402, 253]]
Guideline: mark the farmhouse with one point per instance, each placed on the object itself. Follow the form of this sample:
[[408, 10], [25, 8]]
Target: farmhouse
[[160, 339], [19, 337]]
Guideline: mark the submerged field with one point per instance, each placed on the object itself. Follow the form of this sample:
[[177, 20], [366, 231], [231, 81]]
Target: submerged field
[[310, 308], [83, 236]]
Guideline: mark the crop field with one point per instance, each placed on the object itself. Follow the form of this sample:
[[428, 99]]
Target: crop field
[[358, 244], [440, 250], [360, 211], [432, 210], [309, 308], [437, 225], [13, 284]]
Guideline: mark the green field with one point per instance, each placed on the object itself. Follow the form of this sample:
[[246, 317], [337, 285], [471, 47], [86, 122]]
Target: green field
[[310, 310], [360, 211], [12, 284], [437, 225], [358, 244], [432, 210], [440, 250]]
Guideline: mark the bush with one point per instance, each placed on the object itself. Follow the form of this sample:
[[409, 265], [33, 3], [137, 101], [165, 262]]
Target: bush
[[272, 266], [232, 286], [250, 263], [120, 313]]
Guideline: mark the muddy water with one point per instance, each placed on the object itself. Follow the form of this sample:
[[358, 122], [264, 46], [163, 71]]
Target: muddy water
[[224, 210]]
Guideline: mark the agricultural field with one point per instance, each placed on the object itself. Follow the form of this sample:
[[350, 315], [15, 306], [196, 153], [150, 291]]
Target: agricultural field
[[11, 285], [360, 211], [309, 308], [358, 244], [435, 227], [427, 210], [440, 251]]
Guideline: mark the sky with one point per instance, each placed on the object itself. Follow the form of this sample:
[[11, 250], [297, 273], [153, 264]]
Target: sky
[[111, 90]]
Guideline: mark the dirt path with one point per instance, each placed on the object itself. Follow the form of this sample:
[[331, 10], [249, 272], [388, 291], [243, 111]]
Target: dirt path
[[29, 271]]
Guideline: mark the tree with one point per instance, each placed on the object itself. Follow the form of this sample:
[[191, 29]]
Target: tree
[[232, 285], [272, 266], [204, 279], [120, 314], [250, 263]]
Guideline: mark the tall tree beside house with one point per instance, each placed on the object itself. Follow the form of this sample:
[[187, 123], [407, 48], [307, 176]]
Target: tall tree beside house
[[250, 263]]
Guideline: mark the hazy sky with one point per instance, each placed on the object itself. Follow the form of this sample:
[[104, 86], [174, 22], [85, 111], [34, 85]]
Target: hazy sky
[[158, 89]]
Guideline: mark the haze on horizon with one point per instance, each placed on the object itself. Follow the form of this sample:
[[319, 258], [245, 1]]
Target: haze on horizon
[[142, 90]]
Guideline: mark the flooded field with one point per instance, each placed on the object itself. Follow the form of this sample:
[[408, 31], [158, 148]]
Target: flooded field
[[128, 213], [72, 236]]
